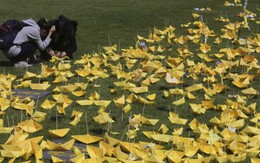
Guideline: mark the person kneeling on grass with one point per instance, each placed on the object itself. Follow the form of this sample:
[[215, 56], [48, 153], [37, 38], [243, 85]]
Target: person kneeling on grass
[[28, 40]]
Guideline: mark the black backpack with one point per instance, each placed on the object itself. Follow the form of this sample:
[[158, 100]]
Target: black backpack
[[8, 32]]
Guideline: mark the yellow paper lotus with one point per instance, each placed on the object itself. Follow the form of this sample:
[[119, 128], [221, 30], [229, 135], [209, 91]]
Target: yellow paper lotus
[[68, 88], [85, 102], [162, 137], [175, 119], [106, 148], [240, 84], [4, 104], [179, 102], [94, 152], [38, 116], [191, 149], [197, 108], [78, 93], [205, 48], [57, 160], [172, 80], [175, 156], [177, 131], [176, 91], [87, 139], [142, 89], [163, 129], [75, 121], [111, 141], [60, 146], [45, 71], [62, 99], [255, 160], [131, 98], [61, 109], [150, 121], [4, 129], [250, 130], [48, 104], [194, 87], [40, 86], [191, 96], [23, 106], [79, 157], [17, 137], [82, 86], [181, 40], [236, 124], [83, 72], [59, 132], [30, 126], [36, 150], [119, 101], [104, 103], [15, 152], [137, 75], [151, 97], [77, 115], [205, 57], [103, 118], [148, 102], [127, 108], [120, 155], [23, 146], [28, 75], [130, 86], [250, 91]]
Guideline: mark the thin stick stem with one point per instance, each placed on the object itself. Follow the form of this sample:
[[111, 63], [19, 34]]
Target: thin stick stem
[[86, 118], [56, 114]]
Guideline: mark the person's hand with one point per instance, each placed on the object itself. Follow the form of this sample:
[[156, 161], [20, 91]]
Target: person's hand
[[60, 54], [51, 52], [63, 54], [53, 29]]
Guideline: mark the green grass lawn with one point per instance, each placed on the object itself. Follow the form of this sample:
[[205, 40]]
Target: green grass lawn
[[105, 23]]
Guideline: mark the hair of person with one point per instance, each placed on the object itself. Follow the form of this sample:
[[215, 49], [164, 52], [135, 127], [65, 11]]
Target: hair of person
[[43, 23]]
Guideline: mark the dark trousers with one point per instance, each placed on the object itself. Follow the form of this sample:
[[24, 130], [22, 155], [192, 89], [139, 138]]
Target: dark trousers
[[28, 50]]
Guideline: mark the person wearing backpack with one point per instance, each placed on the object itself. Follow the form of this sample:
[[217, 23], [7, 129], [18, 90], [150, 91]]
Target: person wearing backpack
[[34, 35]]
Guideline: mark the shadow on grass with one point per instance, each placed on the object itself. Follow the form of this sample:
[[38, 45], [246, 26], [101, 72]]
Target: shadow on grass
[[98, 130], [5, 63]]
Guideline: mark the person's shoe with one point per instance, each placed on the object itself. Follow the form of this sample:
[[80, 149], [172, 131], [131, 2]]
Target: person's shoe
[[22, 64]]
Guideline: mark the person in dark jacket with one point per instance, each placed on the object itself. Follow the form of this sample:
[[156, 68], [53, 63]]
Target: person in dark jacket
[[63, 40]]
